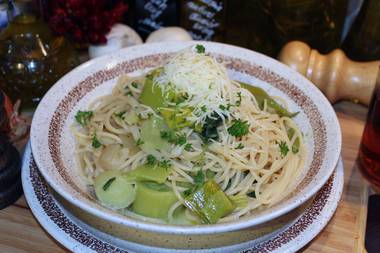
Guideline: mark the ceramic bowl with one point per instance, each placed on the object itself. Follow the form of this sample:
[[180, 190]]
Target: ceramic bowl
[[53, 144]]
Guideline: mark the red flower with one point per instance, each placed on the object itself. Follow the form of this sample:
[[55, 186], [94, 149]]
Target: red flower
[[85, 21]]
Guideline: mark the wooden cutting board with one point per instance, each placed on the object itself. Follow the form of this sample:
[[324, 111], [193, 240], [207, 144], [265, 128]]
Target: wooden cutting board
[[20, 232]]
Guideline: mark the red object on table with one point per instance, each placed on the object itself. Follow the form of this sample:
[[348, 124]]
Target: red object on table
[[369, 152], [6, 109]]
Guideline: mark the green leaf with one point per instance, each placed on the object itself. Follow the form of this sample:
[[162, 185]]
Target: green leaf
[[139, 142], [108, 183], [82, 117], [238, 128], [240, 146], [283, 148], [120, 115], [135, 85], [165, 164], [199, 178], [200, 49], [188, 147], [151, 160], [95, 142], [238, 103]]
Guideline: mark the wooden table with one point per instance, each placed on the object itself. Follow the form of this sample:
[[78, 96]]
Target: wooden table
[[20, 232]]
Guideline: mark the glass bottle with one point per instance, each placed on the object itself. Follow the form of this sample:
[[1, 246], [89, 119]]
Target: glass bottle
[[369, 153], [267, 25], [32, 59], [151, 15], [363, 40], [204, 19]]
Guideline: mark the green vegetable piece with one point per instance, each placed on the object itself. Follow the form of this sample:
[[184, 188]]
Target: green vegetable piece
[[113, 190], [240, 200], [296, 143], [261, 95], [209, 203], [95, 142], [176, 119], [283, 148], [151, 202], [108, 183], [180, 218], [152, 95], [238, 128], [82, 117], [200, 49], [209, 129], [149, 172], [120, 115], [131, 118], [151, 135]]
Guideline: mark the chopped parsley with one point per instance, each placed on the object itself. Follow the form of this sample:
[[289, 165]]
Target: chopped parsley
[[164, 164], [240, 146], [238, 103], [95, 142], [174, 138], [200, 49], [135, 85], [188, 147], [151, 160], [82, 117], [129, 93], [139, 142], [222, 107], [238, 128], [108, 183], [166, 135], [283, 148], [180, 140], [199, 180], [120, 115]]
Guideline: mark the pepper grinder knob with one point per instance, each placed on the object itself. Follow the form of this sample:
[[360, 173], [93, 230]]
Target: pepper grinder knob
[[338, 77]]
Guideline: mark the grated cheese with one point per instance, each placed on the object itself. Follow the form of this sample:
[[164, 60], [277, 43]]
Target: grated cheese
[[202, 78]]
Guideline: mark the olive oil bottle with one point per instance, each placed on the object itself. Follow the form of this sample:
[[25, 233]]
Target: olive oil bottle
[[32, 59]]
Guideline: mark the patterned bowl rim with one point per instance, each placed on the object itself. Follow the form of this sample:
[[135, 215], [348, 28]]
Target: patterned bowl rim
[[52, 112]]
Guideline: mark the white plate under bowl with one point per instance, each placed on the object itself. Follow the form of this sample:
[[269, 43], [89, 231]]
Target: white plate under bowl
[[78, 237], [53, 144]]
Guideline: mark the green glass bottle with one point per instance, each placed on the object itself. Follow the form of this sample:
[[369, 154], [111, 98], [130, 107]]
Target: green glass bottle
[[32, 59]]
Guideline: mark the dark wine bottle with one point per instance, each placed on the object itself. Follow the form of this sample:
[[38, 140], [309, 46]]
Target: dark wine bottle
[[204, 19], [363, 40], [150, 15]]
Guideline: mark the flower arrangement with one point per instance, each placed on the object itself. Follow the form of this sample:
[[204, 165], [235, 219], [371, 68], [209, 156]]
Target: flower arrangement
[[85, 21]]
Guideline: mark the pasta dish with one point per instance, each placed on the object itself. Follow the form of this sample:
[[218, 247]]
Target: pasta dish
[[185, 144]]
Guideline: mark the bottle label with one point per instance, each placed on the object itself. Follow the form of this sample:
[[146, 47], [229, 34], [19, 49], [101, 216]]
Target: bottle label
[[154, 14], [204, 19]]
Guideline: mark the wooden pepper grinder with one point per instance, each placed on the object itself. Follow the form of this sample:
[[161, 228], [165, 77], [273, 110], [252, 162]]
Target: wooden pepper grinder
[[334, 74]]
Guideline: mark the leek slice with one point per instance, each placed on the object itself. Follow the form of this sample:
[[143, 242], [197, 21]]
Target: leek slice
[[153, 200], [209, 202], [113, 190]]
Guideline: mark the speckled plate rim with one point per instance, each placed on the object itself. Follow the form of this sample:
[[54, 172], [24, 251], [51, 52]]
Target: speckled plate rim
[[100, 69], [77, 239]]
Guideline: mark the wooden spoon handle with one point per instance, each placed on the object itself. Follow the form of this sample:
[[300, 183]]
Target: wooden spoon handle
[[334, 74]]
